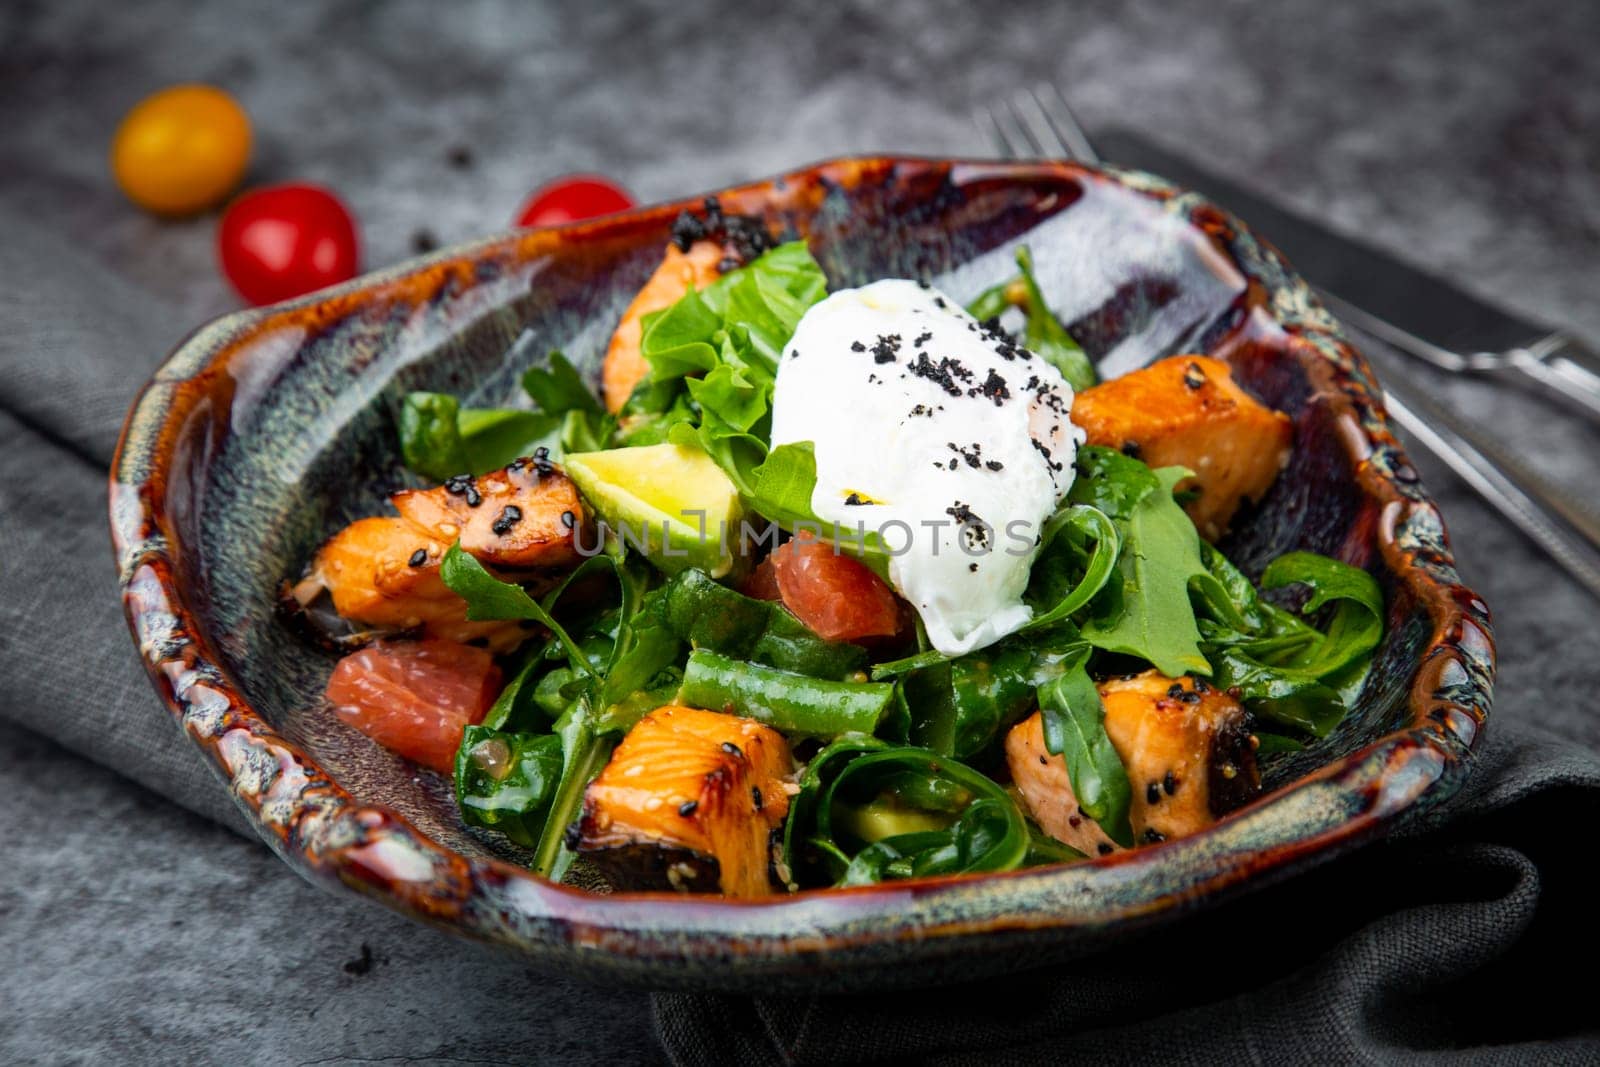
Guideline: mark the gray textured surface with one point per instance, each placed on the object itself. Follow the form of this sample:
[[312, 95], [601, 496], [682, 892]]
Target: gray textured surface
[[1458, 134]]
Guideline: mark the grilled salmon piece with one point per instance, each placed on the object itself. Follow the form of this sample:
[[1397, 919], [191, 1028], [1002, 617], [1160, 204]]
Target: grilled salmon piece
[[381, 574], [521, 517], [625, 366], [1187, 749], [691, 801], [1187, 411]]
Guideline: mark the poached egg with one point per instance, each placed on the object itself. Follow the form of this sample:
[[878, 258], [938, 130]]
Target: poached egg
[[941, 435]]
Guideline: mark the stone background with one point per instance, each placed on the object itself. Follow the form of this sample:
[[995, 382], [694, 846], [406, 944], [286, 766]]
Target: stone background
[[1460, 135]]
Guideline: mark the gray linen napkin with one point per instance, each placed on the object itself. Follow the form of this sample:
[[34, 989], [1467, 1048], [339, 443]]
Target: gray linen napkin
[[76, 342]]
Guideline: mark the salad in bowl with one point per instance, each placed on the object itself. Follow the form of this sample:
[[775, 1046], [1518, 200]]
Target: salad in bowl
[[834, 586]]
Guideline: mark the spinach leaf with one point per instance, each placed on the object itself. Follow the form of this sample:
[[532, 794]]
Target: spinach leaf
[[439, 438], [488, 597], [504, 781], [559, 388], [709, 615], [1285, 669], [868, 811], [1074, 728], [960, 707], [637, 655], [1357, 623]]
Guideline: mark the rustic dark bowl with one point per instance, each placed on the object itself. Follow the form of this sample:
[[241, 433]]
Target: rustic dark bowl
[[269, 429]]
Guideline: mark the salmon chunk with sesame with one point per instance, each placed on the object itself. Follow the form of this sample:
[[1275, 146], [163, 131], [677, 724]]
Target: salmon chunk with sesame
[[381, 574], [1187, 411], [691, 800], [1186, 746]]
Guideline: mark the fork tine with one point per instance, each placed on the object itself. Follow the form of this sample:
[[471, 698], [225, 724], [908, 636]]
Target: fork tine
[[1017, 111], [1053, 106], [1041, 131], [1010, 134], [989, 125]]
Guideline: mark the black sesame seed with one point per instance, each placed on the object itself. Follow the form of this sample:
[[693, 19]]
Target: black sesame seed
[[568, 519], [1152, 793], [509, 517], [857, 346], [419, 557], [1169, 783], [1044, 759], [1193, 376], [1105, 849], [731, 749], [755, 796], [687, 808], [1153, 836]]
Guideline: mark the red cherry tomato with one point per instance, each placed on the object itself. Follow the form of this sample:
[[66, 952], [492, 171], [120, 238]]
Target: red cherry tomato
[[577, 196], [415, 697], [283, 241], [836, 596]]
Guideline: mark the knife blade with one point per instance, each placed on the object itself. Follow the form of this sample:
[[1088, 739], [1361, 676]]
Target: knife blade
[[1377, 282]]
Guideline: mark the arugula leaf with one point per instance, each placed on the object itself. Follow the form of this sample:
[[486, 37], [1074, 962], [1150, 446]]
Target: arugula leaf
[[1043, 335], [488, 597], [1150, 614], [439, 438], [1066, 575], [1074, 728], [584, 752]]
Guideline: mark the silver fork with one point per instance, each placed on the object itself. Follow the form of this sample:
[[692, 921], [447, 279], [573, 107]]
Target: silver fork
[[1040, 123]]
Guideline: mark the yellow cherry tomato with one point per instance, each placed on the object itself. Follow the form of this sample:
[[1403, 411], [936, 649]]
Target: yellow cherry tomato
[[181, 150]]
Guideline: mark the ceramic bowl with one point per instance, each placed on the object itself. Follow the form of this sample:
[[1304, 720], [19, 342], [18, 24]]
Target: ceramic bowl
[[269, 429]]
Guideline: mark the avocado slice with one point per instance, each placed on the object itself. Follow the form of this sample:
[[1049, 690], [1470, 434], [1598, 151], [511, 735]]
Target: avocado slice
[[671, 502]]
